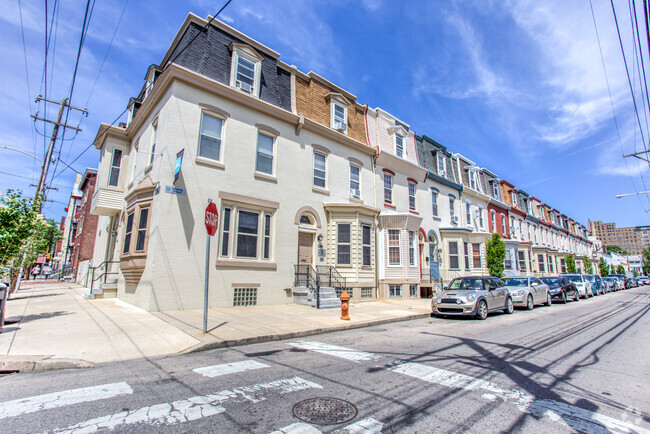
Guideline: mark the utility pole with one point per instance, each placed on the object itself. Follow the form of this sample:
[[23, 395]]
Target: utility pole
[[48, 155]]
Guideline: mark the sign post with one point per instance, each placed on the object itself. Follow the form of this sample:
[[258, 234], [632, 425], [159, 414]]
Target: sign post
[[211, 224]]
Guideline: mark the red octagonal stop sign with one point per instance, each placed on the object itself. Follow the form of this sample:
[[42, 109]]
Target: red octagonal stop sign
[[211, 218]]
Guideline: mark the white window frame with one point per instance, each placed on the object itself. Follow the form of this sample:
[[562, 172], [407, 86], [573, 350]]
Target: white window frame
[[343, 244], [412, 249], [135, 160], [229, 232], [514, 199], [481, 222], [472, 180], [219, 139], [468, 213], [434, 203], [394, 290], [399, 147], [412, 193], [112, 167], [393, 246], [337, 123], [503, 224], [257, 152], [493, 216], [355, 192], [455, 255], [314, 176], [452, 206], [154, 138], [388, 179], [442, 168], [366, 246], [247, 53]]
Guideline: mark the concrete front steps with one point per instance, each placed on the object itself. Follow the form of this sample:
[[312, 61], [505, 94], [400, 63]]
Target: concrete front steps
[[105, 290], [328, 297]]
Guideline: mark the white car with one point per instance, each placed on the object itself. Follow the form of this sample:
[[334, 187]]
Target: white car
[[583, 285]]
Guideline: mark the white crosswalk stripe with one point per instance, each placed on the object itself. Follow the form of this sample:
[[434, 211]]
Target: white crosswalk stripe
[[193, 408], [33, 404], [577, 418], [365, 426], [229, 368]]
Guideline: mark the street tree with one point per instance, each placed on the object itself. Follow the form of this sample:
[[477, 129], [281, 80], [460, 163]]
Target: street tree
[[646, 260], [589, 269], [616, 249], [495, 255], [620, 269], [570, 263], [604, 269]]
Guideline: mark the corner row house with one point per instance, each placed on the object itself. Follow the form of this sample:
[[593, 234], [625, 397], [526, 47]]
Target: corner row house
[[312, 187]]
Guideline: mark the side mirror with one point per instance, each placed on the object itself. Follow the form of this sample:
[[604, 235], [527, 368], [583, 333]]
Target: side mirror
[[445, 288]]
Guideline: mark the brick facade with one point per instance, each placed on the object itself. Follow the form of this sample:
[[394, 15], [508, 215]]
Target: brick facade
[[84, 236]]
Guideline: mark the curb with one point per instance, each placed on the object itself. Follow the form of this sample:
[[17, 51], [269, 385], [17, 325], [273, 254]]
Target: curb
[[22, 364], [283, 336]]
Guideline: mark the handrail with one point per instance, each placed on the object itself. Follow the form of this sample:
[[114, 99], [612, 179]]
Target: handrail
[[104, 274], [310, 278], [329, 274]]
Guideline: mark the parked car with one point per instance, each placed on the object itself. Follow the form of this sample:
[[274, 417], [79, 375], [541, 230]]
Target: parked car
[[582, 284], [644, 280], [472, 296], [596, 284], [561, 288], [620, 283], [630, 283], [610, 284], [528, 291], [621, 280]]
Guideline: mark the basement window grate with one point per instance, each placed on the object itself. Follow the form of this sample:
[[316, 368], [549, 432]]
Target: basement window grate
[[244, 297], [366, 292]]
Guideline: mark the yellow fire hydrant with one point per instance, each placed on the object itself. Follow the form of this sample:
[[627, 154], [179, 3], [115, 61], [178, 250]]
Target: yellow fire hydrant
[[345, 305]]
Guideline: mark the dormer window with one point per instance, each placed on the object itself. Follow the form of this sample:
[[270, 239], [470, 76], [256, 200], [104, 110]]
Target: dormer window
[[441, 165], [339, 117], [246, 68], [472, 179], [399, 145], [495, 189], [514, 198]]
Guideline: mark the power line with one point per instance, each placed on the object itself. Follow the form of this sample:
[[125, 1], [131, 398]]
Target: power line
[[29, 91], [618, 133]]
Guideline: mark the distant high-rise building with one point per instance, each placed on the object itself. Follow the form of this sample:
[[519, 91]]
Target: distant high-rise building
[[631, 239]]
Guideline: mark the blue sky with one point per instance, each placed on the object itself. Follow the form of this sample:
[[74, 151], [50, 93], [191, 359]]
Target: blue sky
[[516, 86]]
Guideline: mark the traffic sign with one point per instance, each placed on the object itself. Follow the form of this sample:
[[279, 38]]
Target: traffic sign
[[211, 218]]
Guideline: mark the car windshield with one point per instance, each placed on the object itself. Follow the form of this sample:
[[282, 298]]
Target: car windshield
[[516, 281], [551, 280], [575, 279], [469, 284], [607, 279], [590, 277]]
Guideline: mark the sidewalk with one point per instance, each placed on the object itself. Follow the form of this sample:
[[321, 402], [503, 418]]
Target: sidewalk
[[51, 324]]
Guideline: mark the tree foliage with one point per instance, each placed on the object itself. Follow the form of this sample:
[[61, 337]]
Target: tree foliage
[[620, 269], [496, 255], [570, 263], [646, 260], [589, 269], [615, 249], [604, 269]]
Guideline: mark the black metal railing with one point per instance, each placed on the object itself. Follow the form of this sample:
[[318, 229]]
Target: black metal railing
[[105, 266], [330, 276], [306, 276]]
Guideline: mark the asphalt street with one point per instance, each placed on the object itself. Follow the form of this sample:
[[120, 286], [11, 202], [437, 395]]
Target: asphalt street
[[579, 367]]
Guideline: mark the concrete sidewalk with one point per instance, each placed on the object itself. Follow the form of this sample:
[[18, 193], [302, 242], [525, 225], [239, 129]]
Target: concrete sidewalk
[[50, 325]]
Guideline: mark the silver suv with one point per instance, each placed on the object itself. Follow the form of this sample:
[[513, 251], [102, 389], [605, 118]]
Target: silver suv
[[472, 296]]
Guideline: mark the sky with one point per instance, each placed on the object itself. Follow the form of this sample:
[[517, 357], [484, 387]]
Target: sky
[[519, 87]]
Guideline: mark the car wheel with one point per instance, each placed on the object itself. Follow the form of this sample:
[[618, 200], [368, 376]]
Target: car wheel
[[548, 299], [510, 308], [529, 302], [563, 297], [576, 296], [481, 310]]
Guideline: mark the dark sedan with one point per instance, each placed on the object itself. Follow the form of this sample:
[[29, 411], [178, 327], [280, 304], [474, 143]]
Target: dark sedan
[[561, 288]]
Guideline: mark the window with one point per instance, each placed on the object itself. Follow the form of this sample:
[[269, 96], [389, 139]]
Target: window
[[245, 69], [319, 169], [451, 208], [540, 259], [411, 196], [388, 188], [355, 183], [264, 153], [266, 254], [394, 253], [503, 224], [513, 195], [343, 244], [411, 248], [142, 230], [399, 146], [466, 255], [339, 117], [244, 297], [127, 233], [508, 260], [135, 161], [366, 292], [563, 265], [476, 255], [210, 137], [116, 162], [394, 290], [434, 203], [468, 214], [225, 235], [494, 221], [247, 226], [154, 133], [413, 290], [480, 218], [495, 189], [365, 242], [522, 260], [472, 180], [441, 165], [453, 255]]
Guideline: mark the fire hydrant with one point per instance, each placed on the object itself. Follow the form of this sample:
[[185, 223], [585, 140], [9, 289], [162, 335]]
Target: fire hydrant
[[345, 305]]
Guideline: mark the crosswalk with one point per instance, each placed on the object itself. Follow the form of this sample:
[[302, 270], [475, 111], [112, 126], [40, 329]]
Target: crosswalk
[[194, 408]]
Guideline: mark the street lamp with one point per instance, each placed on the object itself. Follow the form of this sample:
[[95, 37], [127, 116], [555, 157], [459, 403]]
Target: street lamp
[[22, 152], [618, 196]]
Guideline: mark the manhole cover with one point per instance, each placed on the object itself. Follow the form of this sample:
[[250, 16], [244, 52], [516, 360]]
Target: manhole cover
[[324, 411]]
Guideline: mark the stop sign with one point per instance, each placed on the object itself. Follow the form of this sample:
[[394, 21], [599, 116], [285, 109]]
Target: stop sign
[[211, 218]]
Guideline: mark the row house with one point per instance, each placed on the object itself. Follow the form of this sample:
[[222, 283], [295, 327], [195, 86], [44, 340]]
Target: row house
[[283, 155], [400, 196], [83, 237]]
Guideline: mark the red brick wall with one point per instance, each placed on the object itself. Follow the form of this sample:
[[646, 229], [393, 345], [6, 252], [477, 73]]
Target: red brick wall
[[499, 212], [84, 241]]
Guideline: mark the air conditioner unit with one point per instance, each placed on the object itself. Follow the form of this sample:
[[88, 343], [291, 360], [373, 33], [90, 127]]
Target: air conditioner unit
[[355, 193], [245, 86], [454, 219], [340, 126]]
